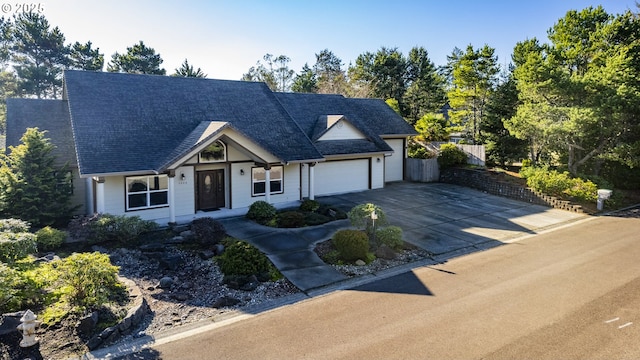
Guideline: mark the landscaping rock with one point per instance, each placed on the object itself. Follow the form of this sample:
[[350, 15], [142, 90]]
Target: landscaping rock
[[206, 254], [175, 240], [218, 249], [225, 301], [9, 322], [251, 284], [87, 324], [385, 252], [171, 261], [166, 282], [152, 247], [180, 296], [360, 263]]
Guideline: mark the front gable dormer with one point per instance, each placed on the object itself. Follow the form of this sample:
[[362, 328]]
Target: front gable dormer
[[337, 127]]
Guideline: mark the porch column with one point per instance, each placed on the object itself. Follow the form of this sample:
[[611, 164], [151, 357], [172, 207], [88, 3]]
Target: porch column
[[172, 196], [312, 193], [90, 206], [267, 183], [100, 206]]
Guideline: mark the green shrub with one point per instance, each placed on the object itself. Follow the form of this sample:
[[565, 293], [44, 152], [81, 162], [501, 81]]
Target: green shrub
[[49, 238], [314, 218], [309, 205], [352, 245], [88, 280], [16, 246], [450, 156], [390, 236], [17, 291], [14, 226], [208, 231], [242, 258], [261, 212], [118, 228], [560, 184], [291, 219]]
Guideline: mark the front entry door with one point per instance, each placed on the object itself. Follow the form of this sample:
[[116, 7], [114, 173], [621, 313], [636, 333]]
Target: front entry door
[[210, 189]]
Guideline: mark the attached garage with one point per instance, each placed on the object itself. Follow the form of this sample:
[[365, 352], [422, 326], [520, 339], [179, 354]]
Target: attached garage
[[334, 177]]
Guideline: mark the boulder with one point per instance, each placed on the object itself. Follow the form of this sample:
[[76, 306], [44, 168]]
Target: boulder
[[171, 262], [206, 254], [225, 301], [385, 252], [87, 324], [360, 263], [166, 282], [251, 284], [218, 249]]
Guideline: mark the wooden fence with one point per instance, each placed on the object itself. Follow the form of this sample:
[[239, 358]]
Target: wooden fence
[[422, 170], [427, 170]]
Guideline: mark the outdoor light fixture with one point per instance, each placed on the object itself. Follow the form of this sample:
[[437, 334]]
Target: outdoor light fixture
[[241, 171], [378, 159], [182, 176]]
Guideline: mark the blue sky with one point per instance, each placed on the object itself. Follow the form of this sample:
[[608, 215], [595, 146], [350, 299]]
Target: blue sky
[[225, 38]]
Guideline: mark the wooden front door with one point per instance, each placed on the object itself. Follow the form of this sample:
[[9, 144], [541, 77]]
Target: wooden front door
[[210, 189]]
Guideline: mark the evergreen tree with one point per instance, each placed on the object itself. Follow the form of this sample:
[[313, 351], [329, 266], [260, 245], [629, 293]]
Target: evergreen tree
[[306, 81], [32, 187], [187, 70], [139, 59], [84, 57], [39, 55], [474, 74]]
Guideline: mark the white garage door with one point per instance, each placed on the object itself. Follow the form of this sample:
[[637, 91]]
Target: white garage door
[[335, 177], [393, 166]]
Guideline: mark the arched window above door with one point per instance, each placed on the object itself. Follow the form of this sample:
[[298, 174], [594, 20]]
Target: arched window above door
[[216, 152]]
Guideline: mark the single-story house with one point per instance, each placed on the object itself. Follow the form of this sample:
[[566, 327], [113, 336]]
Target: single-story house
[[163, 147]]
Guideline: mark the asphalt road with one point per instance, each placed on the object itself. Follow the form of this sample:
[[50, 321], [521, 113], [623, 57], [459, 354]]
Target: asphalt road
[[572, 293]]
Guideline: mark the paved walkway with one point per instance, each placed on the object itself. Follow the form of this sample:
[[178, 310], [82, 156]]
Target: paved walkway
[[447, 220]]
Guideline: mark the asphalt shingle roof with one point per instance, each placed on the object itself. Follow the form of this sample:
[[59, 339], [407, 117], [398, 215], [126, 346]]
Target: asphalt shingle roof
[[49, 115], [127, 122], [123, 123]]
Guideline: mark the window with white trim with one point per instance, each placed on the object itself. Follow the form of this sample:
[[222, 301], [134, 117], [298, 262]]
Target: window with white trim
[[258, 180], [147, 192]]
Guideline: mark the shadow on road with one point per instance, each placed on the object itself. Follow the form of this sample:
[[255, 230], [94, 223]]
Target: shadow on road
[[406, 283]]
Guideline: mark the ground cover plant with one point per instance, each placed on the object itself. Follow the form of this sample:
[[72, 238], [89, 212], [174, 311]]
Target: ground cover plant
[[309, 213]]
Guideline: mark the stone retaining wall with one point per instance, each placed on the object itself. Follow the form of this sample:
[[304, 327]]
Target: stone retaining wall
[[134, 317], [479, 179]]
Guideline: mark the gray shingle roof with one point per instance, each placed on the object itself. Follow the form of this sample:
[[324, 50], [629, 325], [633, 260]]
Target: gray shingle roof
[[126, 122], [373, 117], [49, 115]]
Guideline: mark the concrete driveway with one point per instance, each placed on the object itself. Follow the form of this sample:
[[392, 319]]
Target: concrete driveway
[[446, 220]]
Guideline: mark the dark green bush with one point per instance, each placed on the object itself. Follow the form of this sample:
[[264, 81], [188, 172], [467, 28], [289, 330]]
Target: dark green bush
[[309, 205], [118, 228], [261, 212], [450, 155], [390, 236], [208, 231], [49, 238], [352, 245], [242, 258], [16, 246], [312, 219], [291, 219]]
